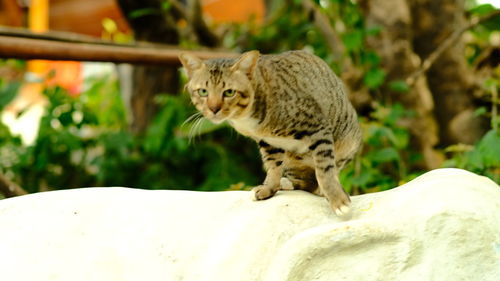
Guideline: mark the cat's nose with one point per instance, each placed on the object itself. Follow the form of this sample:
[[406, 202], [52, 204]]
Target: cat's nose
[[214, 108]]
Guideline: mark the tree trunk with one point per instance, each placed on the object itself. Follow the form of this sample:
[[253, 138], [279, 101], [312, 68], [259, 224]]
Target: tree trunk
[[449, 78], [151, 25], [10, 189], [394, 46]]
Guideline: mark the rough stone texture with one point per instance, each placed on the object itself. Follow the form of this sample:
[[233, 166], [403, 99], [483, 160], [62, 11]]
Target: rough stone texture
[[444, 225]]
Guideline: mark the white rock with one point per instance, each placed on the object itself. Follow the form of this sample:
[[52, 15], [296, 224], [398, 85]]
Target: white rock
[[444, 225]]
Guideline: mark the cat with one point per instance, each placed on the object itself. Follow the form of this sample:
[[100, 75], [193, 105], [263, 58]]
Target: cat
[[293, 106]]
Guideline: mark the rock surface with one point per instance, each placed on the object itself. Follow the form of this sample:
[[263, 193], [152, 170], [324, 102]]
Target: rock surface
[[444, 225]]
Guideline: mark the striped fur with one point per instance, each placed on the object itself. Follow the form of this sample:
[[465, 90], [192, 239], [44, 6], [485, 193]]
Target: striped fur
[[296, 109]]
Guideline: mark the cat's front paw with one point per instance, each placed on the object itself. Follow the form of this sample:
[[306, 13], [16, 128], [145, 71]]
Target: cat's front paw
[[340, 204], [262, 192]]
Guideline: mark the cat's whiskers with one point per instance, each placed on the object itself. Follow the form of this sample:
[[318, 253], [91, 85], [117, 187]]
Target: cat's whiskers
[[194, 121], [196, 128], [191, 118]]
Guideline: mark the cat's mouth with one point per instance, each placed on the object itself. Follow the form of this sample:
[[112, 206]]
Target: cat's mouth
[[216, 118]]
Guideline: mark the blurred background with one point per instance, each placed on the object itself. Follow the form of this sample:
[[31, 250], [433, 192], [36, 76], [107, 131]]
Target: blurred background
[[422, 74]]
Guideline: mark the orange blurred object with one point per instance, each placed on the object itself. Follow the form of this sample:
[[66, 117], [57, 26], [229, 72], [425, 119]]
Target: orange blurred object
[[66, 74], [234, 11], [38, 21], [85, 16], [11, 13]]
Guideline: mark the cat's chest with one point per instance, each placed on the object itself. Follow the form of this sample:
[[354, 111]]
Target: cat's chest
[[250, 127], [288, 144], [246, 126]]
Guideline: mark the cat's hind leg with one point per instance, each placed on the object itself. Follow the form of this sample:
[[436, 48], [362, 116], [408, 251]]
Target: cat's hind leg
[[326, 171], [286, 184], [302, 178]]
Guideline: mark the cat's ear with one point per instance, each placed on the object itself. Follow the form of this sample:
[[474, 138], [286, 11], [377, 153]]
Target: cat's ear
[[190, 63], [246, 63]]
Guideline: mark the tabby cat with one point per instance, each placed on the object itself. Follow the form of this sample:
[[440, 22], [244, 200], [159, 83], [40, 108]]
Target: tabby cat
[[293, 106]]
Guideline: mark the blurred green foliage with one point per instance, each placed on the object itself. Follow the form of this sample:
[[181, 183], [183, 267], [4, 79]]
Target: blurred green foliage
[[387, 156], [85, 141], [484, 157]]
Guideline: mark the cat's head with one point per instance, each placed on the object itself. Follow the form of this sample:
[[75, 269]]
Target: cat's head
[[221, 89]]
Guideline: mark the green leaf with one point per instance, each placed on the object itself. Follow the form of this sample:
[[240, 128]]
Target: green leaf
[[474, 160], [401, 138], [384, 155], [489, 148], [8, 92], [101, 103], [363, 179], [482, 9], [373, 30], [399, 86], [374, 78], [166, 5], [396, 112], [159, 131], [353, 40], [142, 12], [480, 111], [370, 58], [492, 24]]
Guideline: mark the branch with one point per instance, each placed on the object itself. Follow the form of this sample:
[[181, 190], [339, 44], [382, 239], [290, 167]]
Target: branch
[[154, 25], [25, 48], [63, 36], [10, 189], [195, 18], [450, 40], [322, 22], [51, 35], [193, 15], [179, 9]]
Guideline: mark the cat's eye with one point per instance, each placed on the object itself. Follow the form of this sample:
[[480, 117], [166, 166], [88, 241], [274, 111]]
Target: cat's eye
[[229, 93], [202, 92]]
